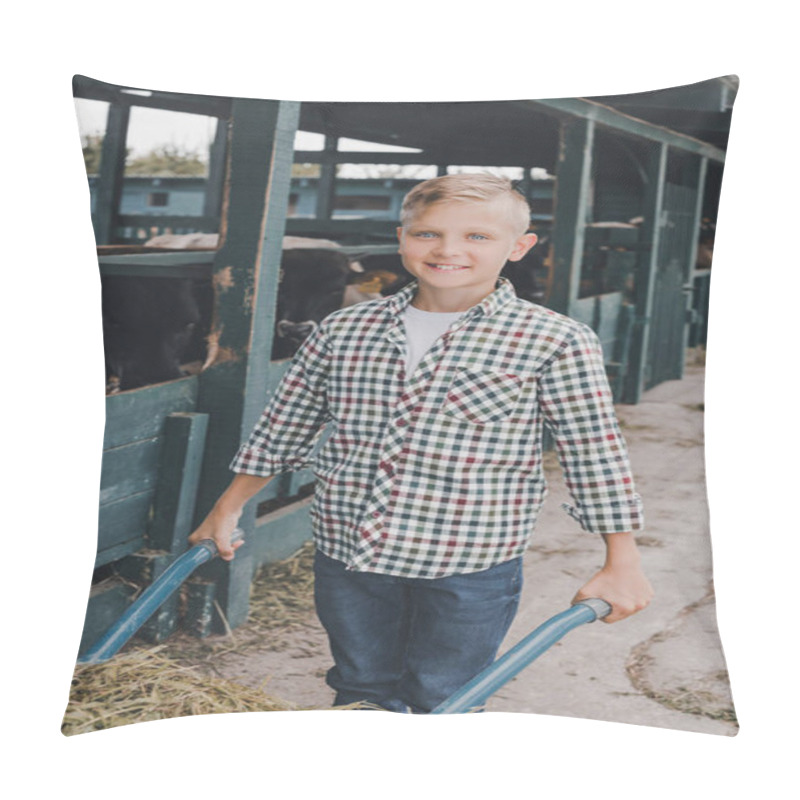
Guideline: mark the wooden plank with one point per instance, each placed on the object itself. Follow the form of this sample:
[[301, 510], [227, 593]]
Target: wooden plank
[[233, 388], [160, 259], [200, 613], [194, 270], [179, 468], [200, 224], [139, 413], [646, 273], [326, 188], [212, 202], [617, 121], [364, 157], [129, 469], [112, 169], [118, 551], [208, 105], [124, 519], [571, 208], [281, 533]]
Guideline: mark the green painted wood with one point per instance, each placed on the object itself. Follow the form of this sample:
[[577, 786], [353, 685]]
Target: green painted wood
[[140, 413], [212, 202], [646, 267], [672, 294], [195, 222], [280, 534], [112, 169], [196, 259], [180, 462], [571, 210], [209, 105], [118, 551], [122, 521], [196, 271], [129, 469], [232, 390], [326, 188], [199, 616], [609, 118], [358, 157]]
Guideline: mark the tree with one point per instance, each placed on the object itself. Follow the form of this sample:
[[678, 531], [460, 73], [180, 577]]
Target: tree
[[168, 160], [92, 145]]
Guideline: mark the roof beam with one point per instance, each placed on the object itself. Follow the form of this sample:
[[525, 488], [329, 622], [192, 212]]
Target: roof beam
[[610, 118]]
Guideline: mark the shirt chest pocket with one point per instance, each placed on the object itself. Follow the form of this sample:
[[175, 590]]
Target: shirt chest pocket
[[482, 397]]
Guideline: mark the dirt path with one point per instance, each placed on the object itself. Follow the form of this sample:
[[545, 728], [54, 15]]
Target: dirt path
[[663, 667]]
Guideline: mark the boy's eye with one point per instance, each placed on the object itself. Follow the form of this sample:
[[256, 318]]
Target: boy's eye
[[424, 234], [477, 236]]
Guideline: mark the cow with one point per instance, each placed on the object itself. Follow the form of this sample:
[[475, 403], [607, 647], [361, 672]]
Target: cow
[[153, 326], [312, 285], [148, 325]]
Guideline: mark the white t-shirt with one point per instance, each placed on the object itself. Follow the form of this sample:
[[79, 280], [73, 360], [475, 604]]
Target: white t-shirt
[[423, 328]]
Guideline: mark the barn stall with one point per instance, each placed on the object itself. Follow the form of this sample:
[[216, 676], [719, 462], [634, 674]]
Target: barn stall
[[621, 239]]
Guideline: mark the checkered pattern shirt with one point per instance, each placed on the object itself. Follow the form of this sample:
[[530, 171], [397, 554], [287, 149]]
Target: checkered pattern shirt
[[440, 472]]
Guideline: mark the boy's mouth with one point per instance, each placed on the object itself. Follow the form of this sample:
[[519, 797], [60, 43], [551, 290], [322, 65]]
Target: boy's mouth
[[446, 267]]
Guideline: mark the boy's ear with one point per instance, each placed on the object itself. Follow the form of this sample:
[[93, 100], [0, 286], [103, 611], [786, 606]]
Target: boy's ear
[[523, 244], [400, 234]]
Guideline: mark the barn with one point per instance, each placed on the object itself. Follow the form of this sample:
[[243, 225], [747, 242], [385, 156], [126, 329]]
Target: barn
[[636, 180]]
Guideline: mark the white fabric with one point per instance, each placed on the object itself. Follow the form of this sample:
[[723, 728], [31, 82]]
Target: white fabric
[[423, 328]]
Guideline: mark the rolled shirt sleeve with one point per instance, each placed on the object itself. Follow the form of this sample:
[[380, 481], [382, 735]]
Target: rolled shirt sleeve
[[284, 437], [577, 405]]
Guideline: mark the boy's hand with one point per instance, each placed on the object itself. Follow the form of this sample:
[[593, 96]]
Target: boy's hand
[[219, 527], [223, 518], [621, 582]]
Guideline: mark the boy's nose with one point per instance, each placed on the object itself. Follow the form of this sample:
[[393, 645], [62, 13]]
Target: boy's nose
[[446, 247]]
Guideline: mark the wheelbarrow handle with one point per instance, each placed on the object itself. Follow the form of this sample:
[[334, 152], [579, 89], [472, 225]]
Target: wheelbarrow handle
[[152, 598], [477, 691]]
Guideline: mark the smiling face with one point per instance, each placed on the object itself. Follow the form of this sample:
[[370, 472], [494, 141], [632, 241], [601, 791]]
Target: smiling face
[[456, 250]]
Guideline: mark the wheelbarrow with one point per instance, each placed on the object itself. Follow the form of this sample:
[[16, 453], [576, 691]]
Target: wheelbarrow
[[151, 599], [470, 697], [474, 694]]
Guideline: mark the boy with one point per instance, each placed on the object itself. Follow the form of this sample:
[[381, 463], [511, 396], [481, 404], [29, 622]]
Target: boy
[[428, 489]]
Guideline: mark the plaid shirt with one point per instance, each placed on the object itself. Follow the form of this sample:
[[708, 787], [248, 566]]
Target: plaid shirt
[[441, 473]]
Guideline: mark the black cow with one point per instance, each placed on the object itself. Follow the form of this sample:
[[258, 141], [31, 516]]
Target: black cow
[[148, 325], [312, 285]]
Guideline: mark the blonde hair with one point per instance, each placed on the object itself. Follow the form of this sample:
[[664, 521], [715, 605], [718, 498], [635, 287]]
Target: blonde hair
[[467, 186]]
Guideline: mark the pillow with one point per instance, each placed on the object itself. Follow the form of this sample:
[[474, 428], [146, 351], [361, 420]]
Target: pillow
[[227, 229]]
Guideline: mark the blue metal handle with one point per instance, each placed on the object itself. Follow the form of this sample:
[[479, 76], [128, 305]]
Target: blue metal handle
[[476, 692], [151, 599]]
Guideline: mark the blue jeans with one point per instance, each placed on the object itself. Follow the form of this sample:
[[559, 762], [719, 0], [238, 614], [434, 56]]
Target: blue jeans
[[409, 643]]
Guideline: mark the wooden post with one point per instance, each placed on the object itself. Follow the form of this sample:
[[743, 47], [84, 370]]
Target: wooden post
[[178, 475], [646, 271], [691, 255], [212, 203], [571, 209], [112, 171], [246, 271], [326, 188]]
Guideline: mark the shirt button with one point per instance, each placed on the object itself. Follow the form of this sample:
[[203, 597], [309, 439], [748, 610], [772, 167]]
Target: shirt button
[[401, 423], [376, 514]]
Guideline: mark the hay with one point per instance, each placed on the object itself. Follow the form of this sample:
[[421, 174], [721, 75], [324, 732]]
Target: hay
[[145, 685], [281, 602]]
